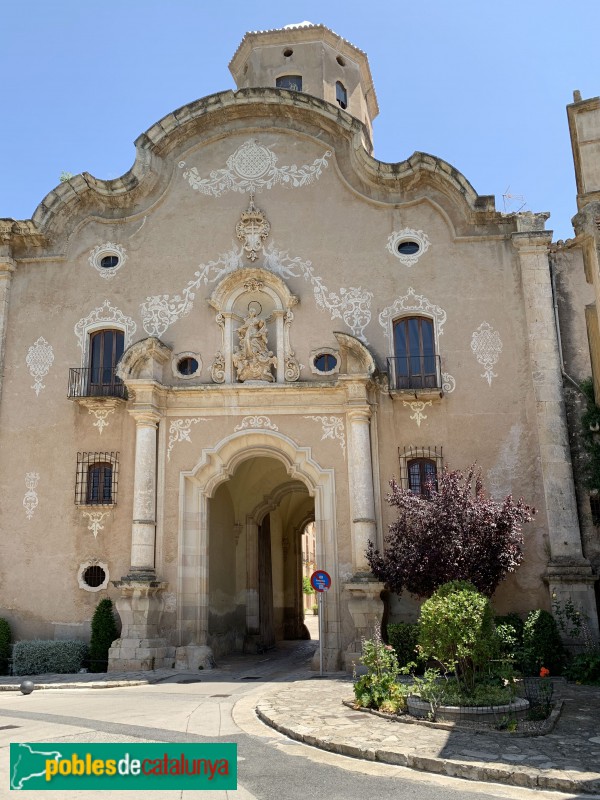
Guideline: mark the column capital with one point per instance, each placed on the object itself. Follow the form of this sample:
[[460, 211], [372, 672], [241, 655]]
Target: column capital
[[531, 241], [146, 418], [359, 413]]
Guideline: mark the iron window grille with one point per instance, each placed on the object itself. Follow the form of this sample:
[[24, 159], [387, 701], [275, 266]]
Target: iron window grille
[[97, 479], [420, 468]]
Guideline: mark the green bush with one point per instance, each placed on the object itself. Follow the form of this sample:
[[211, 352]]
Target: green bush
[[456, 628], [509, 631], [5, 641], [585, 667], [104, 633], [378, 687], [40, 657], [307, 586], [404, 638], [542, 645]]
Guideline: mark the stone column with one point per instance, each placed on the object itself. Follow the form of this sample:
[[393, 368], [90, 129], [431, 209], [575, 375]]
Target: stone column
[[7, 267], [143, 527], [569, 574], [140, 605], [362, 502]]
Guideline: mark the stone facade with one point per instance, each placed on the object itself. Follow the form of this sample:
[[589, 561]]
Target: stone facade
[[261, 325]]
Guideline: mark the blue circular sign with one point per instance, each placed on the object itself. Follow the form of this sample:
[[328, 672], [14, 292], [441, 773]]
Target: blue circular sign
[[320, 580]]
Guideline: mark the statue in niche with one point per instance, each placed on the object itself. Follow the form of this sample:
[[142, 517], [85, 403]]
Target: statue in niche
[[253, 359]]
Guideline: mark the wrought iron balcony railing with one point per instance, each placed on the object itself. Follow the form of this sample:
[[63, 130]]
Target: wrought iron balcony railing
[[416, 373], [95, 382]]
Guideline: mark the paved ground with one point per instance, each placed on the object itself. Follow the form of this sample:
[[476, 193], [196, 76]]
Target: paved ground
[[309, 709]]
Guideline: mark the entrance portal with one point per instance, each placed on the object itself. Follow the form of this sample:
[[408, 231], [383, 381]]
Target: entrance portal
[[256, 521]]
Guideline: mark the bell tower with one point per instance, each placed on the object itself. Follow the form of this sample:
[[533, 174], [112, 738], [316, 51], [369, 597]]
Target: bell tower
[[312, 59]]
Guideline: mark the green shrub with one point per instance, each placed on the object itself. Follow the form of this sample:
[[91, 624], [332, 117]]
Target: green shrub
[[585, 667], [40, 657], [404, 638], [509, 631], [104, 633], [378, 687], [542, 645], [307, 586], [456, 628], [5, 641]]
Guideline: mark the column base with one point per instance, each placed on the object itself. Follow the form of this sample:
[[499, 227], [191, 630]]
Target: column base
[[366, 608], [575, 582], [140, 608]]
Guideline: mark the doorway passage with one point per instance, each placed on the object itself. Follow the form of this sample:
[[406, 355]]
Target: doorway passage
[[257, 519]]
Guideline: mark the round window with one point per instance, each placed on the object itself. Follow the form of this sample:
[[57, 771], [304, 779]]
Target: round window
[[288, 52], [325, 362], [108, 262], [340, 61], [94, 576], [408, 247], [187, 366]]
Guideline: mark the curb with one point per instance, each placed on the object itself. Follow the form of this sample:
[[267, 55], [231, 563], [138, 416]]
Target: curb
[[13, 687], [553, 780]]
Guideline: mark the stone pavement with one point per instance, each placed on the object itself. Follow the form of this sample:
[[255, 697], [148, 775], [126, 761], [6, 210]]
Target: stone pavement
[[566, 760], [299, 704]]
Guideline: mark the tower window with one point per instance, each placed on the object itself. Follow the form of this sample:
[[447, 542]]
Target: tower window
[[341, 95], [293, 82]]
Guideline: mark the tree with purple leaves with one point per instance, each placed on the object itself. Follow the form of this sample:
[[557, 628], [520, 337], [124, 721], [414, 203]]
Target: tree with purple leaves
[[455, 533]]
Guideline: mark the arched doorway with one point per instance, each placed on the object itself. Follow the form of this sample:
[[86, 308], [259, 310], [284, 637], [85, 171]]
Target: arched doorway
[[255, 557], [248, 498]]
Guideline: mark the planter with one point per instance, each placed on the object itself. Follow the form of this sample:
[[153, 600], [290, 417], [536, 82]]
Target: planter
[[421, 709]]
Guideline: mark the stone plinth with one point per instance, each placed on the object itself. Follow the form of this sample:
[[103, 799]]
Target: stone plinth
[[140, 646], [194, 656], [366, 608]]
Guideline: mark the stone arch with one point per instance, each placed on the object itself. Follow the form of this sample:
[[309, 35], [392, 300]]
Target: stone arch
[[197, 486]]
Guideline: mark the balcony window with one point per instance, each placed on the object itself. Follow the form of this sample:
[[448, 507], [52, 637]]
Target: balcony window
[[414, 365]]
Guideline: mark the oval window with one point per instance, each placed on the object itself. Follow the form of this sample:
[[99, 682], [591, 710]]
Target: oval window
[[187, 366], [408, 248], [94, 576], [325, 362], [108, 262]]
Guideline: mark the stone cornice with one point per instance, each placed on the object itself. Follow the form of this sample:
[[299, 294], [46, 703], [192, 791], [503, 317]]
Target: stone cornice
[[84, 196]]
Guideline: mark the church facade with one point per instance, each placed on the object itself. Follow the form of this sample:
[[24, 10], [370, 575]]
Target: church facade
[[251, 332]]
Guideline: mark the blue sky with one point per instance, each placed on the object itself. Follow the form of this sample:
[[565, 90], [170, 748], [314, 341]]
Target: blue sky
[[482, 85]]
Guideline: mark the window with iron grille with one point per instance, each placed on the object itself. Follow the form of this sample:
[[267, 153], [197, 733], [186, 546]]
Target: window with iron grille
[[96, 479], [419, 469]]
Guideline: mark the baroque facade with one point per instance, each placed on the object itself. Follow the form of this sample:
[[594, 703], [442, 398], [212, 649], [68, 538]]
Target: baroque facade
[[251, 332]]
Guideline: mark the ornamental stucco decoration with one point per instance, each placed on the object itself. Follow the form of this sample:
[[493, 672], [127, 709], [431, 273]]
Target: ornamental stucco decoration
[[101, 314], [101, 414], [180, 431], [30, 500], [448, 383], [95, 519], [408, 235], [352, 304], [253, 167], [256, 421], [487, 346], [252, 229], [333, 428], [39, 359], [411, 302], [107, 249], [417, 407], [217, 369]]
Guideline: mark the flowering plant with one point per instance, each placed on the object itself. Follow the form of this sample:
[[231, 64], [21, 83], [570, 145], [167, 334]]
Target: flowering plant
[[544, 672]]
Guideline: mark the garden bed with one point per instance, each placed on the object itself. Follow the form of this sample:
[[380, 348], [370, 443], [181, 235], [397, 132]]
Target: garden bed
[[524, 727]]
